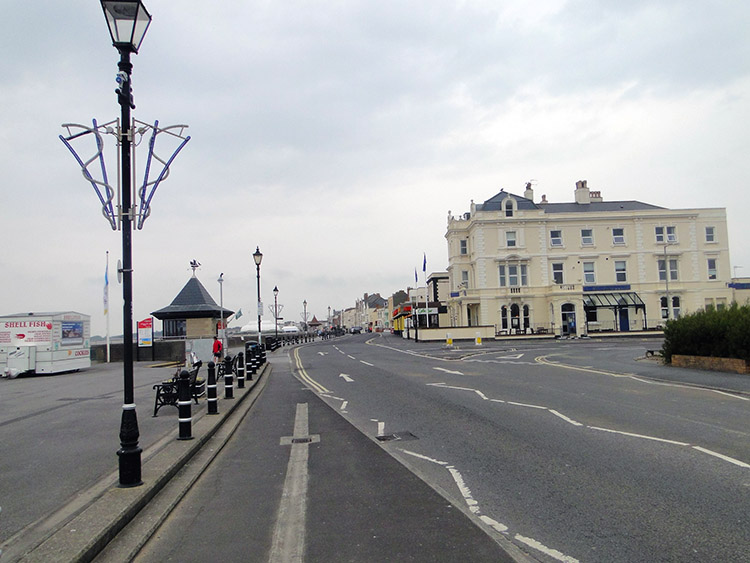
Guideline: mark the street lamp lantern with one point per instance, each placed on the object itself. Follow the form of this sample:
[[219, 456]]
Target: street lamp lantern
[[128, 21]]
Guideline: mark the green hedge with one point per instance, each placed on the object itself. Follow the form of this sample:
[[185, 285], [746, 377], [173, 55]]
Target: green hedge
[[721, 333]]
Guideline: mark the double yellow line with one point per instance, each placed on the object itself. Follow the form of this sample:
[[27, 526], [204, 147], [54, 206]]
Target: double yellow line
[[317, 387]]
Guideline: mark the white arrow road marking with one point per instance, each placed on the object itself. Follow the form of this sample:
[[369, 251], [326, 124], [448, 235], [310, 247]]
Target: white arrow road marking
[[322, 353], [345, 377], [449, 371]]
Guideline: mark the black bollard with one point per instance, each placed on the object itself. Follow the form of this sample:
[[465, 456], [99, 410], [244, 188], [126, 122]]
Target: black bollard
[[211, 397], [240, 370], [184, 415], [249, 363], [228, 379]]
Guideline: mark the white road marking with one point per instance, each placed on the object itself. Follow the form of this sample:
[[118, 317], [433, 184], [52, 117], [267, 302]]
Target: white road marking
[[722, 456], [576, 423], [381, 429], [492, 523], [565, 418], [654, 438], [546, 550], [343, 405], [345, 377], [322, 353], [730, 395], [464, 490], [289, 532], [352, 357], [449, 371], [366, 363], [502, 528], [511, 357], [526, 405], [420, 456]]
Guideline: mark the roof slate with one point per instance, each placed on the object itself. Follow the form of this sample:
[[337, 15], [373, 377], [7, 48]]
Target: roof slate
[[495, 204]]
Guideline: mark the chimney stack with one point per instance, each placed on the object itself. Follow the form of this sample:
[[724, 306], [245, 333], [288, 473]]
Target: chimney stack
[[582, 192], [529, 193]]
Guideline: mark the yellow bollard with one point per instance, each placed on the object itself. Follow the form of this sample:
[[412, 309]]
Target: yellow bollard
[[478, 340], [448, 339]]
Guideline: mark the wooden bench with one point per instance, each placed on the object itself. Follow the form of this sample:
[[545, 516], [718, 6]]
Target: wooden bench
[[166, 391]]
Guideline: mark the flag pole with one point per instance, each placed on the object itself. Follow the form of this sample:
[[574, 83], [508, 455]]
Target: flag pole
[[426, 291], [106, 302]]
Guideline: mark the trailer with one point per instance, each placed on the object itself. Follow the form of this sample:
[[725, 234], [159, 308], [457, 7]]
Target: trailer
[[44, 343]]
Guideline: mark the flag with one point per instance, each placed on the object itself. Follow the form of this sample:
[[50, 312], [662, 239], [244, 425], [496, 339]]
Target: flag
[[238, 314], [106, 287], [424, 264], [416, 279]]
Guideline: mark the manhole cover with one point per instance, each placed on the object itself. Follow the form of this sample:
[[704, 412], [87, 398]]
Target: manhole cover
[[301, 440], [404, 436]]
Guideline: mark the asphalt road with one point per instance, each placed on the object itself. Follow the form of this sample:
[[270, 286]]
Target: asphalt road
[[571, 450], [334, 495], [563, 450]]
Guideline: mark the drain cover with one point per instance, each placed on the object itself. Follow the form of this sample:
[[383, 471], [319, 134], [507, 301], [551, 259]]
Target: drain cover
[[397, 436], [301, 440]]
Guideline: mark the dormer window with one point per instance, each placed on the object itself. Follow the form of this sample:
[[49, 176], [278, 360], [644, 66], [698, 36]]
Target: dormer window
[[508, 208]]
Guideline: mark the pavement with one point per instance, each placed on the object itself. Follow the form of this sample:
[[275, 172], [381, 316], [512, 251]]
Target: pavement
[[89, 523]]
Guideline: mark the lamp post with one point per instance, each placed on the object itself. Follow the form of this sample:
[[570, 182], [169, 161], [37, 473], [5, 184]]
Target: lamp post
[[221, 306], [258, 257], [304, 308], [128, 21], [275, 312]]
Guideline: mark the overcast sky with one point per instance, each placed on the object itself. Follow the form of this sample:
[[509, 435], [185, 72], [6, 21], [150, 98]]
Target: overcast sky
[[337, 136]]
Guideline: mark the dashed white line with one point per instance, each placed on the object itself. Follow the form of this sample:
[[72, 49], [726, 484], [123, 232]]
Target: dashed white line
[[499, 527], [527, 405], [722, 456], [546, 550], [366, 363], [569, 420], [631, 434], [565, 418], [420, 456], [502, 528], [464, 490], [730, 395]]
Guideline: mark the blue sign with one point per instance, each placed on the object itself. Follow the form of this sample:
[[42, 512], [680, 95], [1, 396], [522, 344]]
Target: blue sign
[[622, 287]]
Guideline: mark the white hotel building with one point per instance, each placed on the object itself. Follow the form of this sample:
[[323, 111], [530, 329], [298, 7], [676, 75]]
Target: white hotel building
[[585, 266]]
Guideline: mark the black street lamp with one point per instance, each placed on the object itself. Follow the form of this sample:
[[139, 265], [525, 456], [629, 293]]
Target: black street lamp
[[258, 257], [304, 306], [128, 21], [275, 312]]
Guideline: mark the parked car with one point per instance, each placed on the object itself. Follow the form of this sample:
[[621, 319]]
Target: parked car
[[356, 330]]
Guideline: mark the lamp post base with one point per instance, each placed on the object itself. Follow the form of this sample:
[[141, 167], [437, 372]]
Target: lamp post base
[[129, 452]]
